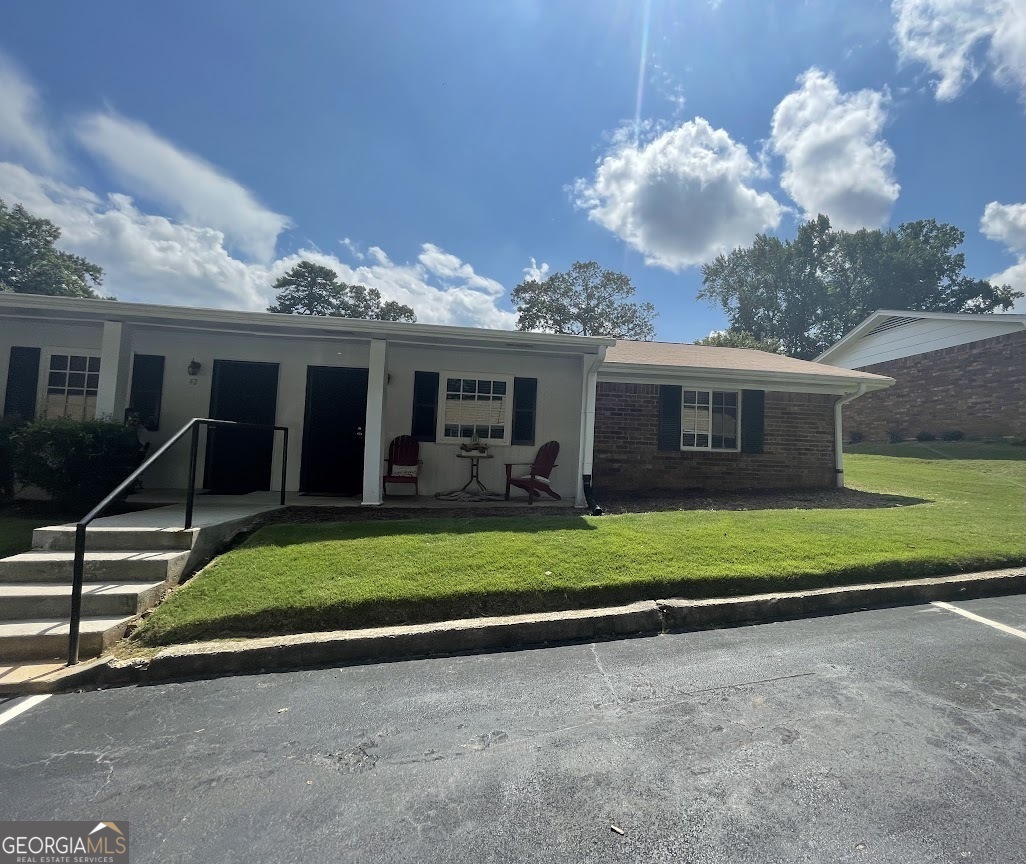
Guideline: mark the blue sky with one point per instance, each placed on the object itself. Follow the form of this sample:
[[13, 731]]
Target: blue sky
[[443, 151]]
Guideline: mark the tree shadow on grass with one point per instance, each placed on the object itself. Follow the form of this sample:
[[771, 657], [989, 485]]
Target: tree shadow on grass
[[940, 450], [297, 525]]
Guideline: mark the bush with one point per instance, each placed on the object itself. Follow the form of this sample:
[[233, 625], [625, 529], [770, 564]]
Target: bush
[[76, 463], [953, 435], [926, 436], [895, 436], [855, 438], [8, 426]]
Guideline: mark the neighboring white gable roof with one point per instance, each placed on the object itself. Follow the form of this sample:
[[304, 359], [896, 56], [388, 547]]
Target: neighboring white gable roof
[[890, 334]]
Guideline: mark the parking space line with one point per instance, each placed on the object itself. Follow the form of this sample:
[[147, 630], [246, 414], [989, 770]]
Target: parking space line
[[997, 625], [22, 707]]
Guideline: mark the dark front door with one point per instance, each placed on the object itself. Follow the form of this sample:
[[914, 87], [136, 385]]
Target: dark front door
[[336, 409], [239, 460]]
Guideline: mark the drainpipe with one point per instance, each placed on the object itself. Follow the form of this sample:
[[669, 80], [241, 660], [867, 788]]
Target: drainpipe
[[839, 434], [588, 438]]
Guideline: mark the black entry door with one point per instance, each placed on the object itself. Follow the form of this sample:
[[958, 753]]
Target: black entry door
[[239, 460], [336, 409]]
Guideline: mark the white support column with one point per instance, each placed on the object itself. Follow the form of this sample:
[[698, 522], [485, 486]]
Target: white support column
[[589, 371], [373, 445], [115, 358]]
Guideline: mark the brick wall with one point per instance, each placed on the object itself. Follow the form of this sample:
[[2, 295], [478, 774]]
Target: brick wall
[[978, 389], [798, 444]]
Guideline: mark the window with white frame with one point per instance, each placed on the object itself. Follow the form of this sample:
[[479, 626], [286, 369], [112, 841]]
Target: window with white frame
[[71, 382], [475, 404], [710, 420]]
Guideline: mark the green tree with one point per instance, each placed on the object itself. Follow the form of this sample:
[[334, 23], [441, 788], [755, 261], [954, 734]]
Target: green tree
[[30, 262], [586, 301], [808, 292], [732, 339], [310, 289]]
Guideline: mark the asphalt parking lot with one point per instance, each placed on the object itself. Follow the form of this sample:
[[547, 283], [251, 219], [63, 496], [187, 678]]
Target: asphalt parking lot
[[893, 735]]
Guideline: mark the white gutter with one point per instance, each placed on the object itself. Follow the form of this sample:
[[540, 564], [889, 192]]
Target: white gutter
[[839, 433]]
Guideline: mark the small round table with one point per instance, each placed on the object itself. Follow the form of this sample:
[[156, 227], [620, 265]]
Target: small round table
[[475, 457]]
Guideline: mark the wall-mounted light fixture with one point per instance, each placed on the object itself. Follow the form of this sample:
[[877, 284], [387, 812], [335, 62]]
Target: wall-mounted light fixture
[[194, 367]]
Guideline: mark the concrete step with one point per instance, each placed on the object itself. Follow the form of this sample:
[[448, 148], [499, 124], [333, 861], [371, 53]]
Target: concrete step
[[61, 538], [47, 639], [33, 600], [110, 567]]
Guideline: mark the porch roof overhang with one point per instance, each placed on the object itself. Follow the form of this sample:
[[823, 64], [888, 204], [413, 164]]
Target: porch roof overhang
[[78, 311]]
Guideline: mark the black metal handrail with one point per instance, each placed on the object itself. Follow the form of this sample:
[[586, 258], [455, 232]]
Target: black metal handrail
[[78, 571]]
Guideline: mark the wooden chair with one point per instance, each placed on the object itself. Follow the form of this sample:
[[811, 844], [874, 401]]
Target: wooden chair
[[403, 462], [536, 480]]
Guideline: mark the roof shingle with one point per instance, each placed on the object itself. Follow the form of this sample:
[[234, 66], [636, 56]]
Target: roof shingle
[[673, 354]]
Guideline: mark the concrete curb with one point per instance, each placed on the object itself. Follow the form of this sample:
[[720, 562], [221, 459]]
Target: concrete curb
[[645, 618], [757, 608]]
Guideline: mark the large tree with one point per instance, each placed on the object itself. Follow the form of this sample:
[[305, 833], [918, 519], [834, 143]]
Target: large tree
[[732, 339], [31, 263], [310, 289], [808, 292], [586, 301]]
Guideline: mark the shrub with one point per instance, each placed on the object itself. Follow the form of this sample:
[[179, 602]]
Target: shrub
[[895, 436], [8, 426], [76, 463], [855, 438], [953, 435], [926, 436]]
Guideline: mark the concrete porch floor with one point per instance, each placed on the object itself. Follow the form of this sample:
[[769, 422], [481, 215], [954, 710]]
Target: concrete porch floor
[[215, 509]]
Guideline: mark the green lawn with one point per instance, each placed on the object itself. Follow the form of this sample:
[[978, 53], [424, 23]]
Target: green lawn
[[292, 578], [16, 532]]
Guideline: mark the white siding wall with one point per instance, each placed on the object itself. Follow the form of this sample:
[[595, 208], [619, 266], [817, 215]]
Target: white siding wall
[[560, 383], [182, 400], [926, 334], [558, 417], [37, 334]]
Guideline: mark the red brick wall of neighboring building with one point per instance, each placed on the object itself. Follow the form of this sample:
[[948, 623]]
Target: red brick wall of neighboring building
[[978, 389], [798, 445]]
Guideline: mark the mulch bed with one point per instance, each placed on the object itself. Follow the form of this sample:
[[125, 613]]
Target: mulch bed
[[813, 499]]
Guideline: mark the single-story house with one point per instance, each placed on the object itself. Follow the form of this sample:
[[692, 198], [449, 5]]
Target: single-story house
[[631, 415], [955, 373]]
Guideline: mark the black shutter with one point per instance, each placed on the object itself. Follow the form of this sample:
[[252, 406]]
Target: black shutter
[[669, 416], [147, 390], [525, 405], [425, 406], [22, 382], [753, 411]]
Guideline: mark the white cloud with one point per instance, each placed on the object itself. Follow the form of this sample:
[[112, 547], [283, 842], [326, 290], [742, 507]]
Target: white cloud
[[835, 161], [680, 198], [192, 189], [22, 132], [958, 40], [1006, 224], [536, 272], [451, 269], [153, 259], [188, 258]]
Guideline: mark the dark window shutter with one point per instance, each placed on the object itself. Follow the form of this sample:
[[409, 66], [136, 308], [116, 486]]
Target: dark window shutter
[[669, 416], [22, 382], [525, 407], [753, 413], [425, 406], [147, 390]]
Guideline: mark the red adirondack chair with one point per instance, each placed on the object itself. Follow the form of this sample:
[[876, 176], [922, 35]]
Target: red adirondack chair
[[536, 480], [403, 462]]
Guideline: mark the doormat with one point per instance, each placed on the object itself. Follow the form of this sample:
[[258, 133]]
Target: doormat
[[461, 495]]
